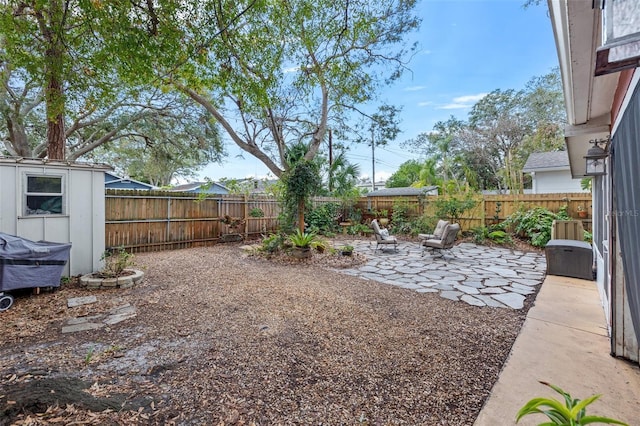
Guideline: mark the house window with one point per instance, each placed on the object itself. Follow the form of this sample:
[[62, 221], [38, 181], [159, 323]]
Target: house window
[[44, 195]]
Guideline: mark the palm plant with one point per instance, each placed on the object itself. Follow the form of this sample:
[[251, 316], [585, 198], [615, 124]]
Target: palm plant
[[302, 239], [571, 413]]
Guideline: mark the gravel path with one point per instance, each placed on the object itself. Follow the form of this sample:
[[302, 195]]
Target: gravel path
[[223, 338]]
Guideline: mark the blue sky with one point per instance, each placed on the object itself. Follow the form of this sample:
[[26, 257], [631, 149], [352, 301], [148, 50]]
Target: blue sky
[[467, 48]]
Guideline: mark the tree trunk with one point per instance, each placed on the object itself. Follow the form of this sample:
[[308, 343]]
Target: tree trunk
[[301, 216], [54, 95], [18, 137]]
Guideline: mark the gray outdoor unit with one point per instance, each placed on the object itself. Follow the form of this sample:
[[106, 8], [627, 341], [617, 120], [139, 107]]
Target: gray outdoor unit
[[570, 258]]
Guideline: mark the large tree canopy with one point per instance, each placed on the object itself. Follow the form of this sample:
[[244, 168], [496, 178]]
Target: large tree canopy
[[282, 72], [489, 150]]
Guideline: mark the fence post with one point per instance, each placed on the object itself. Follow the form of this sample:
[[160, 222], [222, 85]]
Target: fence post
[[246, 216], [483, 219]]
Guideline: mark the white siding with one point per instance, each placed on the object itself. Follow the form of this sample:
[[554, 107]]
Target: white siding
[[82, 223], [555, 181]]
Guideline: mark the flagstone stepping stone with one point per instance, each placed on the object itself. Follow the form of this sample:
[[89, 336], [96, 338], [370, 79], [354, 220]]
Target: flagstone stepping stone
[[520, 289], [444, 287], [427, 290], [512, 300], [526, 282], [472, 300], [368, 268], [474, 284], [466, 289], [492, 290], [79, 301], [503, 272], [490, 301], [451, 295], [495, 282], [83, 326]]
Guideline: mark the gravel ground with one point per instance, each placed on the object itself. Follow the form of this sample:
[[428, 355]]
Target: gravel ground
[[224, 338]]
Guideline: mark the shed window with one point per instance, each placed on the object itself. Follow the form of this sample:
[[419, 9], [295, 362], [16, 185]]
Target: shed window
[[44, 195]]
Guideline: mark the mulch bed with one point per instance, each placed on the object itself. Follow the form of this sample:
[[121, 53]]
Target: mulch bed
[[224, 338]]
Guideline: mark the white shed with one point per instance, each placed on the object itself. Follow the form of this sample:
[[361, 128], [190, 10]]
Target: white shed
[[56, 201], [551, 173]]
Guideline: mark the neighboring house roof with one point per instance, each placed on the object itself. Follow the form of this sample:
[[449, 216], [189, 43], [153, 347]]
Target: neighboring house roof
[[546, 161], [112, 181], [408, 191], [201, 187]]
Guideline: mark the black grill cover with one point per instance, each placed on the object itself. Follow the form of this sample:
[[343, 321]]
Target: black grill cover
[[28, 264]]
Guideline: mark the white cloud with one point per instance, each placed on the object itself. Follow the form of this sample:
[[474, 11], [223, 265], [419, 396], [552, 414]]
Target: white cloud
[[291, 69], [469, 98], [455, 106], [426, 103], [462, 102]]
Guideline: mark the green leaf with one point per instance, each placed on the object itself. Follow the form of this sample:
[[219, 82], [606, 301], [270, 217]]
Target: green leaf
[[532, 407], [598, 419], [581, 405]]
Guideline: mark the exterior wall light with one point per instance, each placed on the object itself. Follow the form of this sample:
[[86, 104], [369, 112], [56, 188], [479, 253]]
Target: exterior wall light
[[596, 157]]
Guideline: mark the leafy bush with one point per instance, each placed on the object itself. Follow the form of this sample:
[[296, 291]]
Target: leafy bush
[[535, 224], [324, 218], [454, 207], [588, 236], [256, 212], [400, 223], [116, 260], [494, 233], [422, 225], [273, 243], [302, 239], [571, 412]]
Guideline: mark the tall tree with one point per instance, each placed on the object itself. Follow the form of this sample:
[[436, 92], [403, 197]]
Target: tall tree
[[52, 41], [175, 142], [270, 86], [407, 174]]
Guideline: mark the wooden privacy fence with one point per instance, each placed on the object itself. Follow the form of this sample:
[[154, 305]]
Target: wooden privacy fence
[[161, 220], [489, 209]]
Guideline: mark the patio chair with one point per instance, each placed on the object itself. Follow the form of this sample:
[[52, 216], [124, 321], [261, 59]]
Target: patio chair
[[437, 233], [382, 237], [443, 244]]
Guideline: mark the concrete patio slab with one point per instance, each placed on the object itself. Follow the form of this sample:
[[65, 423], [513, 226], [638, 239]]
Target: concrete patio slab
[[564, 341]]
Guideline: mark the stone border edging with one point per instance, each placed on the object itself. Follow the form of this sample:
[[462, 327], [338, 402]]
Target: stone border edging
[[127, 281]]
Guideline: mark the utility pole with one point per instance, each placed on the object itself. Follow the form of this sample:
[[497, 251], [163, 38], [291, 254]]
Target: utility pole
[[373, 162], [330, 163]]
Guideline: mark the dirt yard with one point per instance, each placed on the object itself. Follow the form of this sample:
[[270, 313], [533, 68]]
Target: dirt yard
[[221, 338]]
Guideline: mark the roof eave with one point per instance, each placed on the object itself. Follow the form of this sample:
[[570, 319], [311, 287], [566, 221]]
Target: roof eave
[[588, 99]]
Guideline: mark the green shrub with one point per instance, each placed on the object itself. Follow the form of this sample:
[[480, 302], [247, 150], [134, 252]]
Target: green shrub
[[535, 224], [453, 207], [422, 225], [493, 233], [400, 223], [256, 212], [273, 243], [115, 261], [302, 239], [324, 218]]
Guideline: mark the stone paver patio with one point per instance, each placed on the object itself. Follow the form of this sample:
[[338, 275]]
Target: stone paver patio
[[477, 275]]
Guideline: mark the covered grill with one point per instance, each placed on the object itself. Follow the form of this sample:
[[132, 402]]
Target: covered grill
[[29, 264]]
